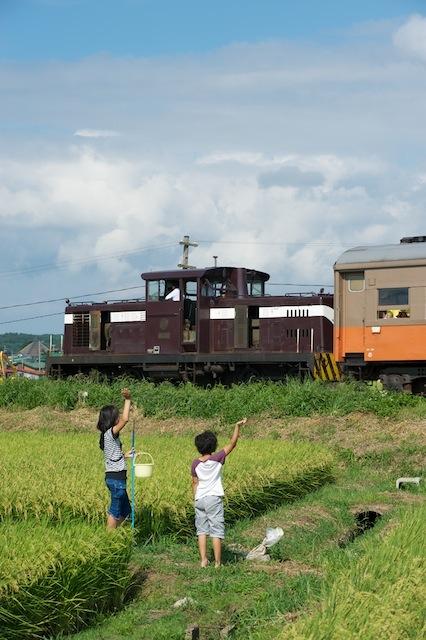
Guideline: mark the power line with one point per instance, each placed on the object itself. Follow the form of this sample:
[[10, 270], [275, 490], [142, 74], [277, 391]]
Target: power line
[[67, 263], [82, 295], [280, 244], [47, 315], [135, 251], [51, 315], [100, 293], [296, 284]]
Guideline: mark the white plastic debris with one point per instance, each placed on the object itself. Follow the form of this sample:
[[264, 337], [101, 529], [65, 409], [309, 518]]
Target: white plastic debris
[[184, 602], [273, 535], [82, 396], [401, 481]]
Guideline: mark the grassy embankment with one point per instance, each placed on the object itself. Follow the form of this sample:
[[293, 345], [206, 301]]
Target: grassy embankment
[[380, 595], [224, 404]]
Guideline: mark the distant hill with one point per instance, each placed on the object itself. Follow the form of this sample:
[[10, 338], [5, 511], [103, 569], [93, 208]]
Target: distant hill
[[13, 342]]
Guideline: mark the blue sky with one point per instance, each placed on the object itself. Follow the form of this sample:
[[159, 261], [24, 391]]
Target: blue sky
[[275, 133], [72, 29]]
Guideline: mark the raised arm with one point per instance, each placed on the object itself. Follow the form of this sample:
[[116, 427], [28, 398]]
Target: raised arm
[[124, 418], [232, 444]]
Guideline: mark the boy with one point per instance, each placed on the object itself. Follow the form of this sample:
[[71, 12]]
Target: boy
[[208, 492]]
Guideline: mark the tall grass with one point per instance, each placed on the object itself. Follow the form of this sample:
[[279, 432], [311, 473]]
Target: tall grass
[[61, 476], [165, 400], [57, 578], [382, 595]]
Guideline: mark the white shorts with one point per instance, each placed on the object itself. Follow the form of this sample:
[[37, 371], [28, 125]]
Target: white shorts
[[209, 517]]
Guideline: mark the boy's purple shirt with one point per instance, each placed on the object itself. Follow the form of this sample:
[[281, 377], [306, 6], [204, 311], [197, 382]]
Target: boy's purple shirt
[[218, 456]]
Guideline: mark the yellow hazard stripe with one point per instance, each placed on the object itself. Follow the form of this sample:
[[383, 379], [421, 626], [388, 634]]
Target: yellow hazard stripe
[[326, 367]]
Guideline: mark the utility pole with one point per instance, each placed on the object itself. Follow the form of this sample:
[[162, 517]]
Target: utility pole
[[215, 260], [185, 255]]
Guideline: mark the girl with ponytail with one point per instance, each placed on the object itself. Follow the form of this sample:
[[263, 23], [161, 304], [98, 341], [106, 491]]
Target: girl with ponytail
[[110, 423]]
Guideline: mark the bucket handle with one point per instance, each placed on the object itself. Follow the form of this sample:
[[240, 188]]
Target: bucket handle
[[143, 453]]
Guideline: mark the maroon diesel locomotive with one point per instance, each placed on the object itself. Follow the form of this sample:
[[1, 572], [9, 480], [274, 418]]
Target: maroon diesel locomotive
[[200, 325]]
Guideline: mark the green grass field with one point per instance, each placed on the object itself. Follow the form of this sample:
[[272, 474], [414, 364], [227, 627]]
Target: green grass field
[[379, 595], [313, 587]]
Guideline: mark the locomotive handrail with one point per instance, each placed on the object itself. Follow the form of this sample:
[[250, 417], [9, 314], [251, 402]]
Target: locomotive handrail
[[89, 302]]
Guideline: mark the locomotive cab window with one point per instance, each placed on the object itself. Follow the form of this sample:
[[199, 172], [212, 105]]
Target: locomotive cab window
[[356, 281], [256, 288], [156, 290], [211, 288], [191, 289]]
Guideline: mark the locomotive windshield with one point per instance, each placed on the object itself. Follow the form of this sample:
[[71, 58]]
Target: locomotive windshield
[[256, 288], [160, 289], [156, 290], [214, 287]]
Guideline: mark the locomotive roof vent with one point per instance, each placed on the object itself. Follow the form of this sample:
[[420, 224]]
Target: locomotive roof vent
[[410, 239]]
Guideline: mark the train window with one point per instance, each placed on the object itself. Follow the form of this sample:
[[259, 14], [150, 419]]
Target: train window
[[393, 313], [191, 289], [211, 289], [395, 296], [355, 280], [156, 290], [256, 288]]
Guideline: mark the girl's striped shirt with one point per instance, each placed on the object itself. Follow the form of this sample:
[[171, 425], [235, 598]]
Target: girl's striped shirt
[[115, 461]]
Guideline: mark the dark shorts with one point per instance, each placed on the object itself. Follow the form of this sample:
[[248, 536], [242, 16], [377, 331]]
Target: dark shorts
[[120, 504]]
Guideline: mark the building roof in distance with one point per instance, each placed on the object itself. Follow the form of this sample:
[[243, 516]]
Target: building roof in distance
[[33, 349]]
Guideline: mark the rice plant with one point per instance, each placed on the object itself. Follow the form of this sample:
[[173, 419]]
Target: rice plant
[[56, 578], [61, 476]]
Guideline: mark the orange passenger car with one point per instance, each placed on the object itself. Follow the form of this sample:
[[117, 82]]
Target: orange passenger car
[[380, 313]]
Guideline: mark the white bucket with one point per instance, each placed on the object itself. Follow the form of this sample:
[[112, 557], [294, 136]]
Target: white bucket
[[143, 470]]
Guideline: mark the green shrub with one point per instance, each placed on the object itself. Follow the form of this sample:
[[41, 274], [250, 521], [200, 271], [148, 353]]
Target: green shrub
[[292, 398]]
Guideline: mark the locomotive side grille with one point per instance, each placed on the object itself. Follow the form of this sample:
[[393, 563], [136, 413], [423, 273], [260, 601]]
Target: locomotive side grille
[[81, 330]]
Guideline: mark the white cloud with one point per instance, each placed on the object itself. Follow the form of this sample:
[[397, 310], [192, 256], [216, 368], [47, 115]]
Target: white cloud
[[96, 133], [277, 155], [411, 37], [103, 206], [239, 157]]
